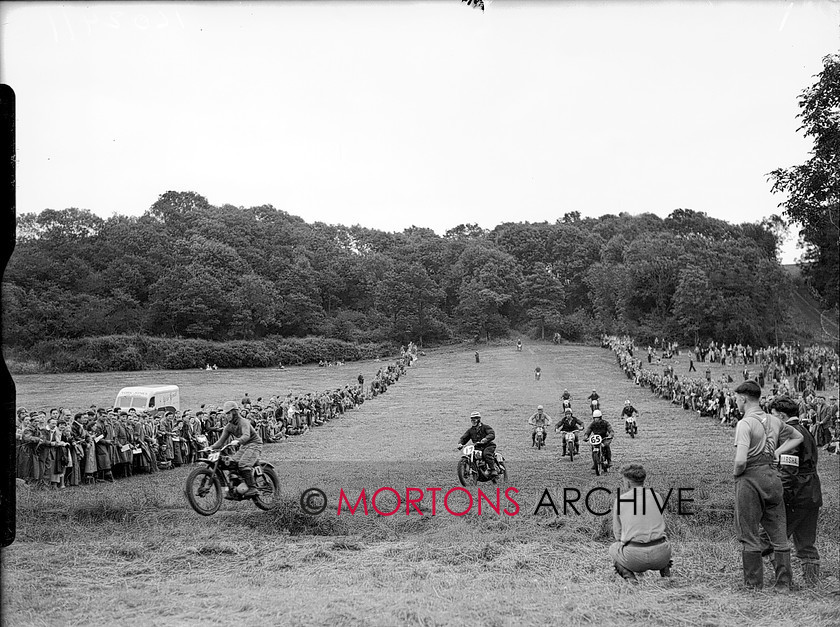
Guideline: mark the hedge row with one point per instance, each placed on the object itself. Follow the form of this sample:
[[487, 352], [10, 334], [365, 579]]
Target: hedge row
[[138, 352]]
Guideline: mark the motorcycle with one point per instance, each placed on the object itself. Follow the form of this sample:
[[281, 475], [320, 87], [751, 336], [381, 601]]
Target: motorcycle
[[569, 443], [594, 404], [539, 437], [472, 468], [597, 443], [630, 426], [219, 478]]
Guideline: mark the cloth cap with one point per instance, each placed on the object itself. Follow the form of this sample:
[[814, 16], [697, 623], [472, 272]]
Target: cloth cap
[[749, 388]]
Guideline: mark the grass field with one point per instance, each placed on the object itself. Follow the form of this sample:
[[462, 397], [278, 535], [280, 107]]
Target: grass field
[[135, 553]]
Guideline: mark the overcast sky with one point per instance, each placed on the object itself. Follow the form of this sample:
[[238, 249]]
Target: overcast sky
[[389, 114]]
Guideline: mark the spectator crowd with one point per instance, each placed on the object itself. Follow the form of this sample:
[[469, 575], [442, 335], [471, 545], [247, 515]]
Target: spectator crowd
[[802, 373], [61, 448]]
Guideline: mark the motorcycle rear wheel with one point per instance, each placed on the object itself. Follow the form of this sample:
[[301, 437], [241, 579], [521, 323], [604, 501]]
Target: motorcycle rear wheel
[[204, 491], [269, 489], [466, 477]]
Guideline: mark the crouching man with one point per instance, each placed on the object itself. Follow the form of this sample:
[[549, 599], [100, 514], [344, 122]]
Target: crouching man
[[639, 528]]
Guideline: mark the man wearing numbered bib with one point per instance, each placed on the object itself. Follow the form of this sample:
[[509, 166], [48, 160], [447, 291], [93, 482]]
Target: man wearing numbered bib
[[803, 493], [759, 496]]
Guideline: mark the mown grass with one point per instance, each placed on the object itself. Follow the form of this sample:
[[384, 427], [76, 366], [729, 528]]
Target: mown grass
[[134, 553]]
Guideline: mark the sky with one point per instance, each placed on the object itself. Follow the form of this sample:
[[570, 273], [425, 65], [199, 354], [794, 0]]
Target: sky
[[432, 114]]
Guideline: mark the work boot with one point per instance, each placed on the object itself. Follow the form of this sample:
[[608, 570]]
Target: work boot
[[666, 572], [784, 572], [753, 569], [811, 574], [248, 476], [628, 575]]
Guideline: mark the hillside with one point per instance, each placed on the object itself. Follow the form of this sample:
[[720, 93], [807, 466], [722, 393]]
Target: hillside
[[809, 317]]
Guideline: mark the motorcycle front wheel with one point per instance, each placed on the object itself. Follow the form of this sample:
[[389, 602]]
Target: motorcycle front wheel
[[596, 459], [204, 491], [571, 450], [465, 476], [269, 489]]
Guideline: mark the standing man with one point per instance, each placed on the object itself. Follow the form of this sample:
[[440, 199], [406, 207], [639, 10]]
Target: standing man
[[759, 496], [639, 528], [802, 491]]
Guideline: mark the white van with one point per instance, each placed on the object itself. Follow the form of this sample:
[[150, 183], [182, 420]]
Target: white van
[[149, 398]]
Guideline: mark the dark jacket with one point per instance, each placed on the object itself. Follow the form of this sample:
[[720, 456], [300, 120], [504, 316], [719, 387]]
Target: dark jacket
[[479, 433], [802, 484]]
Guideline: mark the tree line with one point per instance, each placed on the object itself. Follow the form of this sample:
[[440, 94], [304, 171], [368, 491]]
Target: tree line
[[189, 269]]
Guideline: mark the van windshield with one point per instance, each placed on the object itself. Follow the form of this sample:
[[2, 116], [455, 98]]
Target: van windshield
[[131, 401]]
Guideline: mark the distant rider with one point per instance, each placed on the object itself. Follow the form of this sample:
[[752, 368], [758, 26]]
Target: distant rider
[[539, 419], [594, 403], [569, 423], [629, 414], [240, 431], [601, 427], [483, 437]]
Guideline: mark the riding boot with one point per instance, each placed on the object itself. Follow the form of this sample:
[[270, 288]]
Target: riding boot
[[811, 573], [629, 575], [784, 572], [248, 477], [533, 440], [753, 569], [666, 572]]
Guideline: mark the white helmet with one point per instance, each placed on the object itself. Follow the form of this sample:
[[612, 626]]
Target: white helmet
[[597, 413]]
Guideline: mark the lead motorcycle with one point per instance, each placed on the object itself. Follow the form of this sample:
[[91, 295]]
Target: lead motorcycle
[[597, 443], [472, 468], [219, 478]]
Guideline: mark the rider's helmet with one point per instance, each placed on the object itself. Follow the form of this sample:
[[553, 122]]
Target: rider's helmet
[[627, 403], [568, 410], [597, 413], [539, 407], [475, 418], [228, 409]]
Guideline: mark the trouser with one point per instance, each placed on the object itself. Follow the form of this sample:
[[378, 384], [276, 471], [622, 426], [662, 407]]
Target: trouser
[[802, 526], [759, 501], [248, 455], [489, 454], [563, 436], [639, 558]]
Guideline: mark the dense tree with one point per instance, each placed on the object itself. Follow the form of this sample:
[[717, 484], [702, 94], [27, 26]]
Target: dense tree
[[813, 188], [191, 269]]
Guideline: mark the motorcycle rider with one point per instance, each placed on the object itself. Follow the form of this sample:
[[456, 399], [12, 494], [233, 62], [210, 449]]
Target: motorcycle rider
[[567, 423], [484, 438], [628, 412], [240, 431], [601, 427], [594, 403], [539, 419]]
